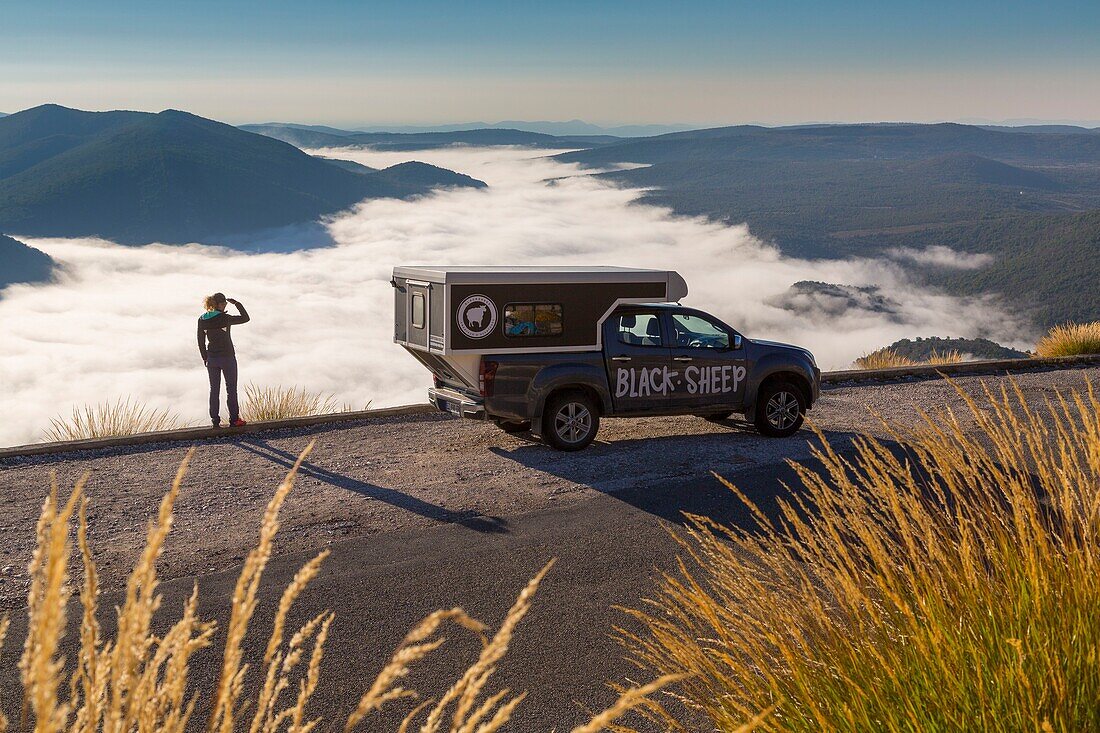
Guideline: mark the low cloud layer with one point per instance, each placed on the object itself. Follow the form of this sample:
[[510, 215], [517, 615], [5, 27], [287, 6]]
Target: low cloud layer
[[120, 321], [944, 257]]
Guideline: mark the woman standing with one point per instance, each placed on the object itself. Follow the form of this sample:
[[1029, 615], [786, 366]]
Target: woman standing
[[216, 348]]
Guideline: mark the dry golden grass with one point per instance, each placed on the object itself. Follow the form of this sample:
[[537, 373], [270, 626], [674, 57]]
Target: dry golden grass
[[952, 356], [280, 403], [1070, 339], [952, 585], [890, 359], [883, 359], [138, 681], [122, 417]]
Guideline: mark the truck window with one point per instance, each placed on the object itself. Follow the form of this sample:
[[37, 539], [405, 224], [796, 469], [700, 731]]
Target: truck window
[[640, 329], [698, 333], [533, 319], [418, 310]]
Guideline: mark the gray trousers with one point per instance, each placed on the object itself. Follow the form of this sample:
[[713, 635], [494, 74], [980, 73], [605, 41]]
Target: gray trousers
[[216, 366]]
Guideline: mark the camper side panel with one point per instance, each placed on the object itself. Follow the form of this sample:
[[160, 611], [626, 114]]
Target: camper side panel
[[501, 318], [400, 312]]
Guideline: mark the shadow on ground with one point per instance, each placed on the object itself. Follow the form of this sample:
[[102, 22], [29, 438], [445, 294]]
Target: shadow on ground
[[467, 518]]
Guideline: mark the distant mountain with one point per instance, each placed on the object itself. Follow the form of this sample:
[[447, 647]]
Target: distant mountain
[[920, 349], [571, 127], [1058, 129], [22, 264], [137, 177], [310, 138], [844, 142], [1027, 202]]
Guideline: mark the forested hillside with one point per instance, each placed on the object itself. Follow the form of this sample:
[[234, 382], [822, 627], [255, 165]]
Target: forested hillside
[[137, 177], [22, 264], [1028, 201]]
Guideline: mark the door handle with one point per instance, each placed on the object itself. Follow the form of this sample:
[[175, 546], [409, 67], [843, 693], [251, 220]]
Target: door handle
[[620, 358], [681, 358]]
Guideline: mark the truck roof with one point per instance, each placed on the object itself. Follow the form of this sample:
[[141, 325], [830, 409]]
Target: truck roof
[[527, 274]]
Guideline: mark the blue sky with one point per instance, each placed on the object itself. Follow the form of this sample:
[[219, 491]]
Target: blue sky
[[330, 61]]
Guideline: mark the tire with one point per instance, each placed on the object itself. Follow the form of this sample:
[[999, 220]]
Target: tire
[[570, 421], [717, 416], [780, 409], [514, 426]]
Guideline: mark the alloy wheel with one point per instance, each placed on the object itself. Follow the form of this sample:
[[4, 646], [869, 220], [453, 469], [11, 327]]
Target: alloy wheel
[[782, 410], [573, 422]]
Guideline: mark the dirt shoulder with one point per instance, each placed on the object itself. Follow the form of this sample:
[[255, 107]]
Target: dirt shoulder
[[404, 473]]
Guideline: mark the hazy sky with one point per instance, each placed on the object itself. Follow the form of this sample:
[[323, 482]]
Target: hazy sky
[[703, 62]]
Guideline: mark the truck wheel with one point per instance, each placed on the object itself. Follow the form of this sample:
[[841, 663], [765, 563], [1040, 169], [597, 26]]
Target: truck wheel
[[514, 426], [570, 421], [780, 409]]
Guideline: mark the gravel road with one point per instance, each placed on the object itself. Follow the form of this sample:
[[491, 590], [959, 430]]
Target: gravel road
[[431, 512], [412, 472]]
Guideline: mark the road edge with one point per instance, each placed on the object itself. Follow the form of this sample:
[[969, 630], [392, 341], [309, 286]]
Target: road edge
[[828, 379]]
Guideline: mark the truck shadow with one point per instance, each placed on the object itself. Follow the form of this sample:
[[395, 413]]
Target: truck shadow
[[467, 518], [674, 476]]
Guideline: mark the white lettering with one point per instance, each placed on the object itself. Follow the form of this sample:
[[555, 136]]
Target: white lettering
[[690, 375], [650, 381], [738, 375], [622, 382]]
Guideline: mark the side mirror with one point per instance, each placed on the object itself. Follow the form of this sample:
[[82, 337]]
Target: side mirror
[[736, 341]]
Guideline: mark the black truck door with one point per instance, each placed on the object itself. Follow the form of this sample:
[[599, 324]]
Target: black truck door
[[711, 370], [638, 361]]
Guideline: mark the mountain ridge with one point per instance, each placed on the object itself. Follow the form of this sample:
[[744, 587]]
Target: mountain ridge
[[23, 263], [138, 177]]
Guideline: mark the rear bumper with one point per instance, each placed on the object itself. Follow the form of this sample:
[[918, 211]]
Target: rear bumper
[[456, 403]]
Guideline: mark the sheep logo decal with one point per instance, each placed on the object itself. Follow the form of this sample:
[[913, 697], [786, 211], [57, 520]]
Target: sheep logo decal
[[477, 316]]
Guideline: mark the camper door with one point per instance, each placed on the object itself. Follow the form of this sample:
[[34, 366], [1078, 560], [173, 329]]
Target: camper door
[[417, 299]]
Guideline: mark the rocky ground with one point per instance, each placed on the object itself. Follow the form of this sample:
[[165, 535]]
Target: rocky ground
[[412, 472]]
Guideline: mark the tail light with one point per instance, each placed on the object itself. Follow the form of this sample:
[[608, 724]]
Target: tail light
[[486, 375]]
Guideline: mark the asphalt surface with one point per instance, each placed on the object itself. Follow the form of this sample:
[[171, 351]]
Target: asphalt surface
[[449, 513]]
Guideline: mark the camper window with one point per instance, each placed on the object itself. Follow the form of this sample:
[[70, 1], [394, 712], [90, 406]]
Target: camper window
[[533, 319], [417, 310]]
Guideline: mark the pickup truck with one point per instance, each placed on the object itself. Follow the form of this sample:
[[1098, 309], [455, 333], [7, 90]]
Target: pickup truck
[[655, 359]]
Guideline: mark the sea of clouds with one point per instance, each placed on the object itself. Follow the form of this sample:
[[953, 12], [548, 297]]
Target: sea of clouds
[[120, 321]]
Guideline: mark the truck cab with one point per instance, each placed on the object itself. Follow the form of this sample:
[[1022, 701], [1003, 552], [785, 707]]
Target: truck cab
[[635, 357]]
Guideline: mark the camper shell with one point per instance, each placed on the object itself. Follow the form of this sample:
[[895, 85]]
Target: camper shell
[[448, 317], [550, 350]]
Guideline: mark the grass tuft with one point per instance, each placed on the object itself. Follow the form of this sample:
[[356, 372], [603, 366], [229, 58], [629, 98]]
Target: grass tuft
[[122, 417], [280, 403], [946, 580], [888, 358], [883, 359], [951, 356], [1070, 339], [140, 680]]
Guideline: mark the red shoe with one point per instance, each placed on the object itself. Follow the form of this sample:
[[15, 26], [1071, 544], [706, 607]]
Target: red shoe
[[238, 423]]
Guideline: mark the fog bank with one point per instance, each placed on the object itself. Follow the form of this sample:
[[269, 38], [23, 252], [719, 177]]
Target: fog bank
[[120, 321]]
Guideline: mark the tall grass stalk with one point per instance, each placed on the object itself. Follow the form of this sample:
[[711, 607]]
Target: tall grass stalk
[[883, 359], [121, 417], [280, 403], [953, 584], [1070, 339], [951, 356], [140, 680]]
